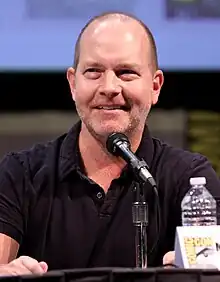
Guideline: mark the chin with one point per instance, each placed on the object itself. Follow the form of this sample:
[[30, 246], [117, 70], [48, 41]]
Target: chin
[[109, 128], [101, 129], [102, 133]]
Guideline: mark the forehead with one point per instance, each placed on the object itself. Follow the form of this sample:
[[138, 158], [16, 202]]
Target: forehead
[[115, 40]]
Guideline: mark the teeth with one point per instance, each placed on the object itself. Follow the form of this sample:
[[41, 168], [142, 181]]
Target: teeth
[[110, 108]]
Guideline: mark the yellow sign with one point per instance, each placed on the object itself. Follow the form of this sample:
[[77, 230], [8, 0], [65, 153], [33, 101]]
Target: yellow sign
[[194, 245]]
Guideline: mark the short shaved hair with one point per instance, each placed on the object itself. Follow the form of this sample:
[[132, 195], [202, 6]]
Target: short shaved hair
[[122, 17]]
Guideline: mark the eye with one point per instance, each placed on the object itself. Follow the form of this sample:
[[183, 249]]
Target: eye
[[92, 70], [126, 71], [127, 74], [92, 73]]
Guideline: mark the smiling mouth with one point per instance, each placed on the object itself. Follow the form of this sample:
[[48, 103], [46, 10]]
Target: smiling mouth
[[113, 108]]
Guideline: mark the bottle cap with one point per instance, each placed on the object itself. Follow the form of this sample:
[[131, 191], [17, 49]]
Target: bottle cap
[[197, 181]]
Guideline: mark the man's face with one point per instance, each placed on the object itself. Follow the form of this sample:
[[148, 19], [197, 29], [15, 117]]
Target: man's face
[[114, 85]]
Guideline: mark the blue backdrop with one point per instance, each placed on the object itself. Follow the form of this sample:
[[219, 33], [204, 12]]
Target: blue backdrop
[[40, 34]]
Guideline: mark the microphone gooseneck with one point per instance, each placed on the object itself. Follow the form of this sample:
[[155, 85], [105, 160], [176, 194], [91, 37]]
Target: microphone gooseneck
[[118, 145]]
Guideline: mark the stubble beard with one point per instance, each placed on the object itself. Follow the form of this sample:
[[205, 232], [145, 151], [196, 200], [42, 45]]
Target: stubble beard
[[101, 131]]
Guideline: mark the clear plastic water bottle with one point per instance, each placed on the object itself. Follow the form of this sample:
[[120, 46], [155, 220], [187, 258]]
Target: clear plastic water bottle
[[198, 205]]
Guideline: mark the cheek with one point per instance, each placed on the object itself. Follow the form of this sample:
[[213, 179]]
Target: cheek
[[83, 93], [141, 95], [146, 94]]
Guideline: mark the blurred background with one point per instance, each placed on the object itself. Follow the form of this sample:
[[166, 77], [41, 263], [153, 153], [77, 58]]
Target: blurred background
[[37, 40]]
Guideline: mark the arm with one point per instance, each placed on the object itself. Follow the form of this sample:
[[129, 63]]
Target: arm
[[8, 249], [15, 189], [23, 265], [13, 203]]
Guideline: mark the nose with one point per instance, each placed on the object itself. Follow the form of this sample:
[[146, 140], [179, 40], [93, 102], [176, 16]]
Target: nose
[[110, 85]]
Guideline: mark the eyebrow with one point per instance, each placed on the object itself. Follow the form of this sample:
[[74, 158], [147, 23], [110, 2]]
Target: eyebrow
[[118, 66], [128, 66], [93, 64]]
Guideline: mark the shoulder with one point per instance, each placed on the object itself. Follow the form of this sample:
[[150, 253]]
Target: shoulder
[[181, 159], [28, 162], [176, 166]]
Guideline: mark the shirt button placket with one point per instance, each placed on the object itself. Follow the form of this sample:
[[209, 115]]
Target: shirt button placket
[[99, 195]]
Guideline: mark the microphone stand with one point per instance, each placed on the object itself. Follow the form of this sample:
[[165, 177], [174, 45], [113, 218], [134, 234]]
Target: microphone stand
[[119, 145], [140, 210], [140, 222]]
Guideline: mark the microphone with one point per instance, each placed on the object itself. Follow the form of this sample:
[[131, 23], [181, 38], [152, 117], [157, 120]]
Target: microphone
[[118, 145]]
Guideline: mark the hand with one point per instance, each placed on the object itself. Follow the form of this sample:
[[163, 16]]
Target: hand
[[22, 266], [169, 258]]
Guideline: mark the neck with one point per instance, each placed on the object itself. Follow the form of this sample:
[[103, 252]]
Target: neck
[[100, 165]]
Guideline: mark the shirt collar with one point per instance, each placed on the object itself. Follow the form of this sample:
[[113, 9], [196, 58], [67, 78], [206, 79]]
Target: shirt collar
[[146, 148], [70, 159]]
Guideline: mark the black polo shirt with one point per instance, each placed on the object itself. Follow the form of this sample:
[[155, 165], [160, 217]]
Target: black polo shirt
[[60, 216]]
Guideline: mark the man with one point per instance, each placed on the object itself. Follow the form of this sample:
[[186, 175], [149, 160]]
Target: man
[[67, 203]]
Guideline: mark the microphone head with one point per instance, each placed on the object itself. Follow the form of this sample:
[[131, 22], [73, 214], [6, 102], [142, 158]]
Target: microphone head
[[114, 140]]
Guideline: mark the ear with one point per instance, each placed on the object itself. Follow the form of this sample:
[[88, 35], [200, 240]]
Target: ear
[[70, 74], [158, 80]]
